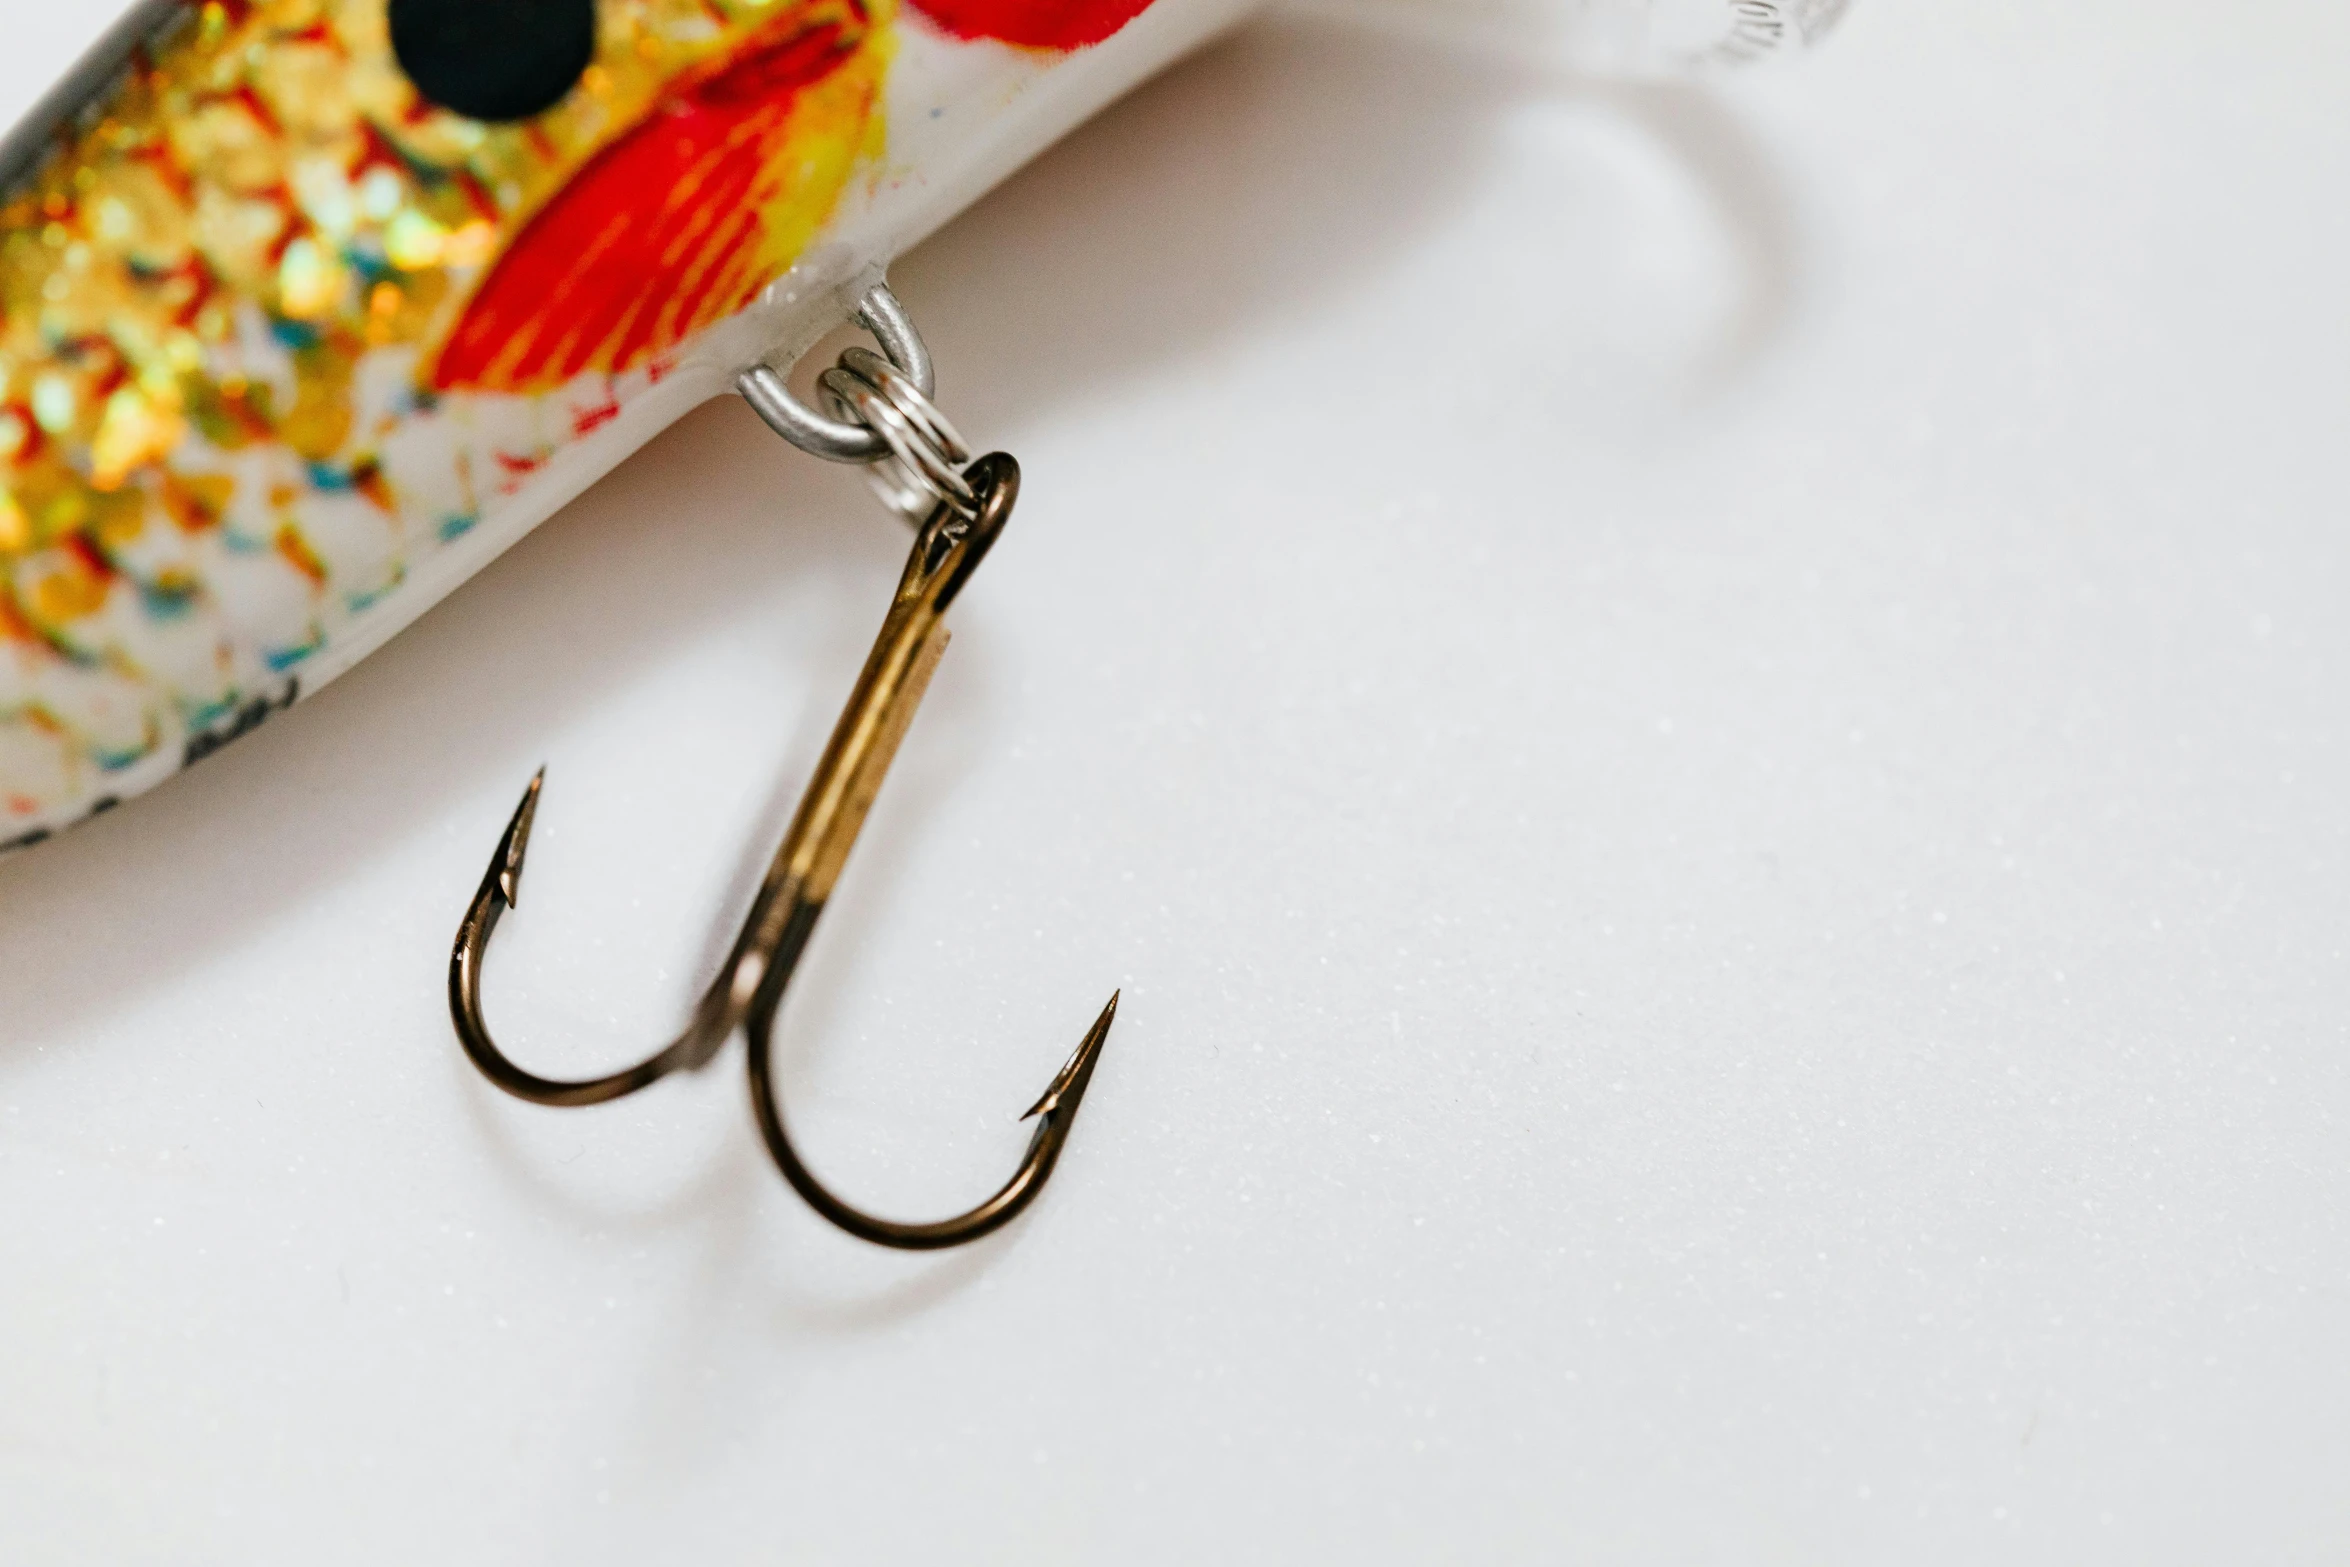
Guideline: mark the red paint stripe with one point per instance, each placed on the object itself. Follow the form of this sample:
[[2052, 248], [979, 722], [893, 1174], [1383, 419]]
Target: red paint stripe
[[1036, 24], [650, 240]]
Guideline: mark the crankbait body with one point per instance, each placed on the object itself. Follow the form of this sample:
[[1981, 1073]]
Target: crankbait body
[[288, 351], [289, 347]]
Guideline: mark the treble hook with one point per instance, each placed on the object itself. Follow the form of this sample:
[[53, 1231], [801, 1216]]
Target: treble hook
[[749, 988]]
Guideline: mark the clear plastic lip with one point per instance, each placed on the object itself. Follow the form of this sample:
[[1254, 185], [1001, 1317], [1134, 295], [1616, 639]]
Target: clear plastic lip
[[1633, 36]]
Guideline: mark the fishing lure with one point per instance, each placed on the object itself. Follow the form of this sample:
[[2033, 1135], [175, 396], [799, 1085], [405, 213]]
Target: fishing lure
[[310, 308]]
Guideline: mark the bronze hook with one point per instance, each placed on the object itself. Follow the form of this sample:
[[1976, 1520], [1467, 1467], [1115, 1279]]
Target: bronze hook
[[748, 991]]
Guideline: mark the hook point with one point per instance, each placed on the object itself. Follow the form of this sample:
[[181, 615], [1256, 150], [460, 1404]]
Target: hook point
[[1069, 1083], [516, 843]]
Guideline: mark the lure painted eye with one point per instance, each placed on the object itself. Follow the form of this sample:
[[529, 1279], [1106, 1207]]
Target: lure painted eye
[[494, 59]]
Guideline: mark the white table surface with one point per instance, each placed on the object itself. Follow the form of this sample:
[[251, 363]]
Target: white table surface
[[1707, 728]]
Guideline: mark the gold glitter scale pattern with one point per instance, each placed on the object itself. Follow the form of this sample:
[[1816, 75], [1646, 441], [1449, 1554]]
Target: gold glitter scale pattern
[[235, 403]]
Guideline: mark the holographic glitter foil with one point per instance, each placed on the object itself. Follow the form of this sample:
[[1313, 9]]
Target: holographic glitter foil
[[275, 332]]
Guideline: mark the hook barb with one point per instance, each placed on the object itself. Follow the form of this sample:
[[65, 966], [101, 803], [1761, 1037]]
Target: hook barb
[[1067, 1089], [516, 842]]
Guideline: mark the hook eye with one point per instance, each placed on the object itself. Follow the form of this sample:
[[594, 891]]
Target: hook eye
[[494, 59]]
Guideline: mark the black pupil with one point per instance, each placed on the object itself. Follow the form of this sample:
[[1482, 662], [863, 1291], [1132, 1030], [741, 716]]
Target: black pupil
[[494, 59]]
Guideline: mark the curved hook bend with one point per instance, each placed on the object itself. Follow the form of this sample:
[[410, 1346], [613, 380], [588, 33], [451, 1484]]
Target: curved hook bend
[[500, 890], [1054, 1115], [748, 991]]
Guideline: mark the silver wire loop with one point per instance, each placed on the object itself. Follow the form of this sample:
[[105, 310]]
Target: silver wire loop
[[881, 415], [836, 440]]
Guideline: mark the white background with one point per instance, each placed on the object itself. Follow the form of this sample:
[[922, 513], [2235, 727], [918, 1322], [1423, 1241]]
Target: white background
[[1706, 727]]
